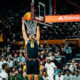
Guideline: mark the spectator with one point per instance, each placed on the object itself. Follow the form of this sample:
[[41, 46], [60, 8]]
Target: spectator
[[40, 76], [41, 66], [66, 68], [8, 52], [55, 61], [8, 44], [15, 56], [13, 70], [50, 66], [4, 73], [59, 76], [21, 58], [10, 63], [68, 51], [59, 60], [16, 76], [72, 67], [45, 76], [41, 48], [45, 44], [19, 65], [10, 56], [20, 72], [0, 65], [4, 51], [78, 65], [10, 76], [68, 76], [63, 56], [24, 76], [3, 60], [76, 76], [15, 63], [42, 55]]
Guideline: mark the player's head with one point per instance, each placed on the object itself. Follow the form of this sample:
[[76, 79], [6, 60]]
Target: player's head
[[31, 36]]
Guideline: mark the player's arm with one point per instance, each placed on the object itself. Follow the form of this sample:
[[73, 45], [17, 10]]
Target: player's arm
[[24, 31], [38, 34]]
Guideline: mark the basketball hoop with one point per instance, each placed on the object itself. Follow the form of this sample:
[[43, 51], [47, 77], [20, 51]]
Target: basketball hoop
[[31, 26], [29, 23]]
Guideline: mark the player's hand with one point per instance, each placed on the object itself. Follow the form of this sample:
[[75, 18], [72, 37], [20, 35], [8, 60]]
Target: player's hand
[[22, 21]]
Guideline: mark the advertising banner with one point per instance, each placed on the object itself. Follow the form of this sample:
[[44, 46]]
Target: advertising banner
[[62, 18]]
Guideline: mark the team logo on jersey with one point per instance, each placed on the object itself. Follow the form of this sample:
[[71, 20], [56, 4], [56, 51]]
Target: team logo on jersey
[[32, 45]]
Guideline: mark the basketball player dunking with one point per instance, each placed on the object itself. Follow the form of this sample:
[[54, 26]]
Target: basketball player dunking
[[32, 53]]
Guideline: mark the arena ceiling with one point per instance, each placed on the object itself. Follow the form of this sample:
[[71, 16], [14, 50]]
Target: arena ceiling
[[10, 3]]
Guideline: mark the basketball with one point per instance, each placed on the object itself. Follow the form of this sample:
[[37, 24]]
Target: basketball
[[27, 16]]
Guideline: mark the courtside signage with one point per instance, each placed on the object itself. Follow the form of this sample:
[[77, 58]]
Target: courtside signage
[[62, 18]]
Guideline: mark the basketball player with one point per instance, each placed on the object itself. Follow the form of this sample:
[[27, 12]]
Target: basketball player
[[32, 53]]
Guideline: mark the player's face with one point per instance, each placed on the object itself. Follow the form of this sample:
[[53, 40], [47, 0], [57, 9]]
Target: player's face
[[31, 36]]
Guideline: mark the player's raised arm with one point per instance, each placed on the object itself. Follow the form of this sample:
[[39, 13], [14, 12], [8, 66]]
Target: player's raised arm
[[24, 31], [38, 34]]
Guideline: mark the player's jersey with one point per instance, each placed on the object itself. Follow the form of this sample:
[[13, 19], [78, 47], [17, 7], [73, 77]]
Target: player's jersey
[[32, 49]]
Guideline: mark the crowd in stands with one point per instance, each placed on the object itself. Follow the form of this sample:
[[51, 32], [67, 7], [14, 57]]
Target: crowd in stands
[[53, 61], [61, 31], [64, 7], [11, 20]]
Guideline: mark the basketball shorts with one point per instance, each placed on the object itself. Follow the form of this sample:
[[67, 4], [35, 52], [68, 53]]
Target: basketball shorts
[[32, 66]]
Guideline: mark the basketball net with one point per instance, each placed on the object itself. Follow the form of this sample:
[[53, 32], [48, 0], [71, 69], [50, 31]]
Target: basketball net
[[31, 26]]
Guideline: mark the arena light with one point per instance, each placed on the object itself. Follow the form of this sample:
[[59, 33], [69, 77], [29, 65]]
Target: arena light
[[62, 18]]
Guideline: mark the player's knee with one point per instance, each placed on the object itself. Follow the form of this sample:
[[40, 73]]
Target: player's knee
[[29, 77], [36, 77]]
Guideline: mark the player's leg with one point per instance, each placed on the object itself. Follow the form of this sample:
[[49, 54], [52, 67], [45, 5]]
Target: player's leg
[[36, 77], [36, 70], [30, 77], [29, 70]]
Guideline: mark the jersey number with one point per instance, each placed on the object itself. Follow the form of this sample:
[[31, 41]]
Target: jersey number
[[32, 45]]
